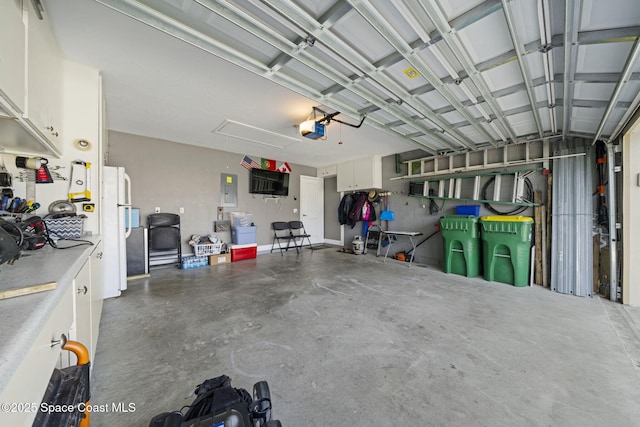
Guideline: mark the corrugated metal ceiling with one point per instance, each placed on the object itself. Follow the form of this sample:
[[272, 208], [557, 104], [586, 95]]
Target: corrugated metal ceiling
[[446, 75]]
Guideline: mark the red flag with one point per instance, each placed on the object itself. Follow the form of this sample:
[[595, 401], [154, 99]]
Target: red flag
[[268, 164], [284, 168]]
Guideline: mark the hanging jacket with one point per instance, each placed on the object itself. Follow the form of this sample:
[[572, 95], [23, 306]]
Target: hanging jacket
[[366, 211], [344, 208], [372, 212], [356, 211]]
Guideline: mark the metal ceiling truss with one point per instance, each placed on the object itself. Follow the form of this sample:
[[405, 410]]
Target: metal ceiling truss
[[188, 35], [624, 79], [350, 55], [320, 31], [374, 18], [523, 68], [451, 38], [571, 20], [367, 89]]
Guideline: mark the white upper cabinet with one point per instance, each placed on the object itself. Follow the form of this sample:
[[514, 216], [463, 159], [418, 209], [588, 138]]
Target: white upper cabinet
[[344, 179], [44, 79], [361, 174], [327, 171], [31, 82], [12, 54]]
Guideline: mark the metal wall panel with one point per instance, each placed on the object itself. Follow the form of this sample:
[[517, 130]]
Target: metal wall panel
[[572, 216]]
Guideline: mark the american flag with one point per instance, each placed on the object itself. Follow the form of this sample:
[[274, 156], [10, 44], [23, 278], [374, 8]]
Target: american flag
[[248, 163]]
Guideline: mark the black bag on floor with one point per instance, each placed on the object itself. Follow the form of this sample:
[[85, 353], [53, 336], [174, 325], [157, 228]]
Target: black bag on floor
[[219, 404]]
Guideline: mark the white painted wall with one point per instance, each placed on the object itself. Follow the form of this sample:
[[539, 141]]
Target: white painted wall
[[631, 216]]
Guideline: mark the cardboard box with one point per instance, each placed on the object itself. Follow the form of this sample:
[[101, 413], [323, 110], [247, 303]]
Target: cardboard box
[[219, 259], [240, 252]]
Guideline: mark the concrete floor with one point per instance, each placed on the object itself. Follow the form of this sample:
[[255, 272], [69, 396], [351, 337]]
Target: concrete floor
[[347, 340]]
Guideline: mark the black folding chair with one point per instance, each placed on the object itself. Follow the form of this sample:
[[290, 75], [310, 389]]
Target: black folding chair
[[164, 239], [281, 231], [298, 232]]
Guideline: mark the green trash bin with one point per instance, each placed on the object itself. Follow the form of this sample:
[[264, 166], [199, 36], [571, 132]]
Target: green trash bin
[[506, 248], [461, 244]]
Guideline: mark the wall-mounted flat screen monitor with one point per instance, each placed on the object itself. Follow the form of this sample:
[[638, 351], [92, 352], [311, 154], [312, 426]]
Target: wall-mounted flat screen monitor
[[263, 181]]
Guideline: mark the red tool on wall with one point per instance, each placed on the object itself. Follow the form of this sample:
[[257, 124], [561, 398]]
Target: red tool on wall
[[43, 176]]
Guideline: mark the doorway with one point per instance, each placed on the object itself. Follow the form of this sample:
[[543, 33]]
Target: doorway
[[311, 207]]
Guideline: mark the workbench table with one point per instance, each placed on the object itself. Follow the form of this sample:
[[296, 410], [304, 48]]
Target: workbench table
[[393, 235]]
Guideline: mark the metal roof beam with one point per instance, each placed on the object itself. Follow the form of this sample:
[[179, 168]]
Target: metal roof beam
[[586, 103], [515, 39], [237, 16], [632, 59], [180, 31], [336, 12], [571, 20], [375, 19], [311, 26], [475, 14], [350, 55], [586, 37], [610, 35], [452, 40]]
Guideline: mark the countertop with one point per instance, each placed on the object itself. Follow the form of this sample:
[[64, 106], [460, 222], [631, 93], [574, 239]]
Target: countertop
[[23, 317]]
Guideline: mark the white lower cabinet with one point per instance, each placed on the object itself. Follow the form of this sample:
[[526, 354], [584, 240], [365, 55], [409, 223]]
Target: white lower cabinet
[[82, 308], [74, 310], [88, 295], [97, 296], [36, 366]]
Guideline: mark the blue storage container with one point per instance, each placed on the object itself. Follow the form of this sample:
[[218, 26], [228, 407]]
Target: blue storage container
[[243, 235], [473, 210], [135, 217]]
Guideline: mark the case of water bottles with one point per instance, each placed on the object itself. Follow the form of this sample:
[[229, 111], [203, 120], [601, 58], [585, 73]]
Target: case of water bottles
[[193, 261]]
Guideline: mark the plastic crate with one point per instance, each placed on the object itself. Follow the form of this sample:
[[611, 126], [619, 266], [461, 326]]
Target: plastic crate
[[473, 210], [192, 261], [240, 219], [205, 249], [243, 235], [69, 227]]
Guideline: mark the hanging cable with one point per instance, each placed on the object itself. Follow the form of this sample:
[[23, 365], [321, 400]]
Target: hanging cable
[[434, 209], [601, 161], [514, 211]]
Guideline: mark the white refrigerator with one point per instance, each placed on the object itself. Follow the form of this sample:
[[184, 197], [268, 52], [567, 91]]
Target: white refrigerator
[[116, 198]]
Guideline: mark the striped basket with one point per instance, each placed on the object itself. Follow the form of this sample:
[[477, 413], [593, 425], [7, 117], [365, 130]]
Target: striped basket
[[65, 228]]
